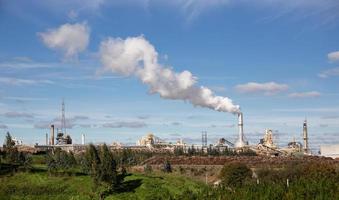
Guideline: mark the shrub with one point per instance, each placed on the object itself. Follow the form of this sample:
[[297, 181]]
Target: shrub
[[235, 174]]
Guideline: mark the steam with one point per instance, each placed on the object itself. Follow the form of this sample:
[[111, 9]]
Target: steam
[[135, 56]]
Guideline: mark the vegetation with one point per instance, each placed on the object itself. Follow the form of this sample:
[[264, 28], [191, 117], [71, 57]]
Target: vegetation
[[99, 173], [210, 151], [235, 174]]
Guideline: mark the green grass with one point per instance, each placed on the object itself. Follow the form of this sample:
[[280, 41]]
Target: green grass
[[158, 187], [39, 185]]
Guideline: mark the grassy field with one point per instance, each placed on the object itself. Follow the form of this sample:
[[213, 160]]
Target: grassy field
[[39, 185]]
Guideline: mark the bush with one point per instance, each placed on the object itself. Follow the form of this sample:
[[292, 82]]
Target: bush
[[148, 168], [235, 174], [167, 167]]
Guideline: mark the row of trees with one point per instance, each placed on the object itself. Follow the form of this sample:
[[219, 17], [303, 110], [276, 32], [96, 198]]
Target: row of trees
[[12, 158], [211, 151]]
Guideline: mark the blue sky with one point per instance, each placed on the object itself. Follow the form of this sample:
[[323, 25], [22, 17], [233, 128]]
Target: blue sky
[[278, 60]]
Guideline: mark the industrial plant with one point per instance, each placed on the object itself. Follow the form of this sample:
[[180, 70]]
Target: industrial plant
[[150, 142]]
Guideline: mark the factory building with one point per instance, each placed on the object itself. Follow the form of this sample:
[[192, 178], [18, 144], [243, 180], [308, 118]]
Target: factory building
[[330, 150]]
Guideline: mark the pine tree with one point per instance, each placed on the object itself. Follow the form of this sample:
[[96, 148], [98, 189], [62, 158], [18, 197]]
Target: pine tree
[[107, 166], [9, 143]]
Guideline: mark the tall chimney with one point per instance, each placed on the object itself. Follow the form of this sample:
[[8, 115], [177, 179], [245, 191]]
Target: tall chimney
[[305, 137], [240, 142], [83, 139], [52, 134], [46, 138]]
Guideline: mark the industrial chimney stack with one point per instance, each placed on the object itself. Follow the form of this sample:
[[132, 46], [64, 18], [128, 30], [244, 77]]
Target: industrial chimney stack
[[305, 137], [52, 134], [240, 142], [83, 139]]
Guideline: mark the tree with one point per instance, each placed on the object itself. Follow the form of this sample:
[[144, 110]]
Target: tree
[[235, 174], [167, 167], [9, 143], [60, 160], [92, 162], [108, 170]]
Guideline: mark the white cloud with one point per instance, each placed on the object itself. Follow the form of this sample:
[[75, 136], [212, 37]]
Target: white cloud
[[329, 72], [305, 94], [21, 82], [333, 56], [70, 39], [267, 88]]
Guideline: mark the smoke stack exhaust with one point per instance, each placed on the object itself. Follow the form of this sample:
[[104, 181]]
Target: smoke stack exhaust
[[52, 134], [240, 142], [135, 56]]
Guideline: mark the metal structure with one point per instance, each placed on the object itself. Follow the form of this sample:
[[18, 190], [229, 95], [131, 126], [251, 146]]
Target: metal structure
[[52, 135], [63, 119], [305, 137], [241, 141], [204, 139]]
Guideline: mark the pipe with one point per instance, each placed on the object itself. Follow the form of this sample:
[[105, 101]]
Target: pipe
[[52, 134]]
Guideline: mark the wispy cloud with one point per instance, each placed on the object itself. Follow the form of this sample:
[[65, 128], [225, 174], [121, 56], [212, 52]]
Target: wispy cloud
[[26, 64], [125, 124], [3, 126], [71, 122], [268, 88], [325, 109], [176, 124], [15, 114], [21, 82], [143, 117], [329, 72], [331, 117], [22, 99], [305, 94]]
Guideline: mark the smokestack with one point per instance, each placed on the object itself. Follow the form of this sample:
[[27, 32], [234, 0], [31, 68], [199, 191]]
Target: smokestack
[[240, 142], [305, 137], [83, 139], [52, 134], [46, 138]]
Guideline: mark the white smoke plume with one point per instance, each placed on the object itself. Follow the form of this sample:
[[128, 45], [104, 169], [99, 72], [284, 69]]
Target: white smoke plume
[[135, 56]]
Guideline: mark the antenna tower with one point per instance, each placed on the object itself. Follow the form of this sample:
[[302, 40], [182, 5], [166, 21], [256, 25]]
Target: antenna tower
[[63, 119], [204, 138]]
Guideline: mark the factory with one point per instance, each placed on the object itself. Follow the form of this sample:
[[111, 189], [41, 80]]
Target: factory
[[266, 145]]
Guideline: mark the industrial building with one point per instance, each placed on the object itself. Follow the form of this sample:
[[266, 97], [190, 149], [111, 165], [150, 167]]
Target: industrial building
[[330, 150]]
